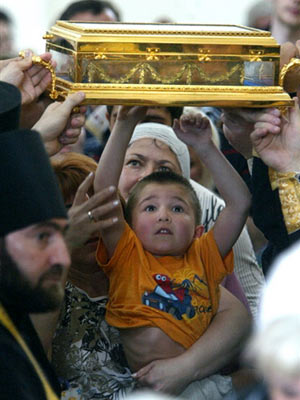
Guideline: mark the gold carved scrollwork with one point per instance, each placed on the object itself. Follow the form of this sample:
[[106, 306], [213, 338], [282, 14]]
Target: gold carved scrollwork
[[294, 62], [153, 51], [97, 74], [203, 55], [100, 56], [48, 36], [255, 55]]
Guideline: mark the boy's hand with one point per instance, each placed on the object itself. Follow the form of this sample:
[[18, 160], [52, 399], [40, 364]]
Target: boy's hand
[[132, 115], [194, 130], [277, 140]]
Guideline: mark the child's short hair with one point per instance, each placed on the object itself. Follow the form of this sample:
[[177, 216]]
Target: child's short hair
[[161, 177]]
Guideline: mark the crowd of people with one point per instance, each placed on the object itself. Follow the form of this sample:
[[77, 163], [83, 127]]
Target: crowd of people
[[140, 274]]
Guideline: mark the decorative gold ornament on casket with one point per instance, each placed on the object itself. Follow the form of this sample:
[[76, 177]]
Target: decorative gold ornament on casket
[[166, 64]]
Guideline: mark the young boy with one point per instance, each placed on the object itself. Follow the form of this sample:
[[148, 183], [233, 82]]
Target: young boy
[[164, 276]]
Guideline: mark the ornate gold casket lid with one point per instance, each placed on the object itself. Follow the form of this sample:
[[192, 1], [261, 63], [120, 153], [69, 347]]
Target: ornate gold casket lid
[[166, 64]]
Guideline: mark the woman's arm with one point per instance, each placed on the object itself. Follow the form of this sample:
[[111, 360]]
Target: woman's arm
[[221, 342]]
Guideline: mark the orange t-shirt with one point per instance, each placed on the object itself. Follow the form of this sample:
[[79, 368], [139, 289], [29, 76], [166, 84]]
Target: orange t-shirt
[[179, 296]]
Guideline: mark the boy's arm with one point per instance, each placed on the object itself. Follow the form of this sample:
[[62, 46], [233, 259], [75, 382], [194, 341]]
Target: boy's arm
[[110, 167], [195, 131]]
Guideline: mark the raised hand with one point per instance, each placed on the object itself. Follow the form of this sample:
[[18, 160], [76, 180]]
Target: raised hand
[[276, 139], [132, 115], [194, 130], [237, 126], [89, 214], [31, 79], [58, 126]]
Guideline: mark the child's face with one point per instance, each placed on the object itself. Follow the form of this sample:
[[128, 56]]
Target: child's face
[[163, 219]]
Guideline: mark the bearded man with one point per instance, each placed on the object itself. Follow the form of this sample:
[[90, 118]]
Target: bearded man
[[33, 255]]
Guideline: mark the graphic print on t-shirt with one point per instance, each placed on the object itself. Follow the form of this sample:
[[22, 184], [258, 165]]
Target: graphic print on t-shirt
[[178, 298]]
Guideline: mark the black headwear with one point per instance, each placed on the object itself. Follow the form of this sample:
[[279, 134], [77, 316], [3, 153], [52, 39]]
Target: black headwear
[[10, 107], [29, 193]]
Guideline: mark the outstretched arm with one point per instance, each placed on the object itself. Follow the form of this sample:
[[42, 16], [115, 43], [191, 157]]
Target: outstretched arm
[[195, 131], [111, 164], [220, 343]]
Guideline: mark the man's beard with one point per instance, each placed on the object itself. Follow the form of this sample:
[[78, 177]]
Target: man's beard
[[17, 291]]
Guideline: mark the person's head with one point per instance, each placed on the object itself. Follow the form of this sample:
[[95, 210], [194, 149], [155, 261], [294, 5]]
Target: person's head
[[153, 147], [6, 36], [33, 266], [71, 169], [287, 12], [161, 115], [259, 15], [275, 345], [33, 255], [91, 10], [164, 211], [277, 357]]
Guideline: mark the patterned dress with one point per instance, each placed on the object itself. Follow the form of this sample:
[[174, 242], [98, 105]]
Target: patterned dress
[[87, 352]]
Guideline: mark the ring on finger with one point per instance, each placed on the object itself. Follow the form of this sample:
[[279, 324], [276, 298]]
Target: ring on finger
[[91, 217]]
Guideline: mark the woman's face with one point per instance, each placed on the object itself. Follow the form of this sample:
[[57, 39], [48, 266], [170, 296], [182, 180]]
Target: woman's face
[[142, 158], [288, 12]]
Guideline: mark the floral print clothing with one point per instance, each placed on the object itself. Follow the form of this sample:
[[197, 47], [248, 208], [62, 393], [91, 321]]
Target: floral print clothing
[[87, 351]]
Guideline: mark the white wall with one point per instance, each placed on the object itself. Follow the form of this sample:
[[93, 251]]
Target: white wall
[[33, 17]]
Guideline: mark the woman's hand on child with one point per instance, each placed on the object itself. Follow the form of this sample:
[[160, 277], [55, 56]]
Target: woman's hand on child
[[168, 376]]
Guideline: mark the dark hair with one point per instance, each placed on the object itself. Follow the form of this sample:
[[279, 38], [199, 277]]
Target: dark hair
[[4, 17], [109, 110], [162, 177], [174, 111], [93, 6]]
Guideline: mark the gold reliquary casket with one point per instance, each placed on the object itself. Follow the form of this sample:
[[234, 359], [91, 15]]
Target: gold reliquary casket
[[166, 64]]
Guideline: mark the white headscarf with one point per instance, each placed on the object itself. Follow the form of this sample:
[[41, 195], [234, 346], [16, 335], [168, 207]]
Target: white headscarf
[[166, 135]]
